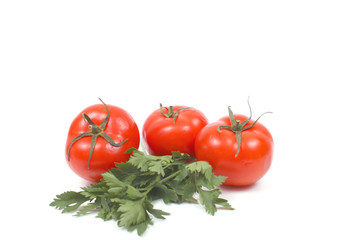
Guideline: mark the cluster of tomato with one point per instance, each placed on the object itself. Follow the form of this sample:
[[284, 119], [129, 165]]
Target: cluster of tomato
[[235, 145]]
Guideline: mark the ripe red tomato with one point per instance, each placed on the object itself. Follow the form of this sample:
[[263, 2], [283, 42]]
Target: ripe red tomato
[[98, 137], [172, 129], [219, 146]]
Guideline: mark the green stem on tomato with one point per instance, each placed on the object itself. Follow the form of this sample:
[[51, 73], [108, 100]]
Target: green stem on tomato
[[95, 132], [171, 113], [238, 127]]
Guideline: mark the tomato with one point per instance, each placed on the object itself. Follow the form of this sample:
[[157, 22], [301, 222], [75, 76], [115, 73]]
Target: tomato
[[172, 129], [243, 156], [98, 137]]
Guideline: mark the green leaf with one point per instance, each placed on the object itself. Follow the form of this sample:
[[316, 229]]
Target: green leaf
[[94, 190], [211, 198], [87, 209], [224, 203], [144, 180], [141, 227], [211, 182], [133, 193], [105, 204], [115, 191], [176, 155], [108, 214], [162, 191], [139, 160], [150, 163], [147, 163], [132, 150], [165, 160], [217, 180], [132, 213], [157, 213], [111, 180], [125, 172], [182, 175], [208, 199], [156, 166], [106, 211], [69, 201], [189, 189], [202, 167]]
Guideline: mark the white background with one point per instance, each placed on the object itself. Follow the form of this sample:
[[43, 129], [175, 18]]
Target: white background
[[58, 57]]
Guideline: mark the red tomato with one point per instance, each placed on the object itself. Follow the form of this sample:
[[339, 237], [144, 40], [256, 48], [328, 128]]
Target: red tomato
[[172, 129], [98, 137], [219, 147]]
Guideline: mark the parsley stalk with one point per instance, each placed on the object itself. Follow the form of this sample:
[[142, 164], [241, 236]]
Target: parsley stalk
[[160, 181]]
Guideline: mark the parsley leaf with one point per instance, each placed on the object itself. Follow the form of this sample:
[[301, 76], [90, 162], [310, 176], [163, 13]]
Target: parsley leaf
[[90, 207], [155, 212], [132, 213], [125, 193], [69, 201], [210, 198], [202, 167]]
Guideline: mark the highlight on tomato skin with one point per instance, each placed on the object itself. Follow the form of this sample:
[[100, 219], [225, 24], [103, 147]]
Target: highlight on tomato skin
[[219, 148], [113, 131], [172, 128]]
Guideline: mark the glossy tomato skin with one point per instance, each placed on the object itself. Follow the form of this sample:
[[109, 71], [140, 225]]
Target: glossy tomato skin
[[219, 149], [163, 135], [120, 126]]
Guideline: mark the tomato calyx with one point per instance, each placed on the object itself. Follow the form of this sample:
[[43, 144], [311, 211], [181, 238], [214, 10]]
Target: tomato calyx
[[238, 127], [95, 132], [171, 113]]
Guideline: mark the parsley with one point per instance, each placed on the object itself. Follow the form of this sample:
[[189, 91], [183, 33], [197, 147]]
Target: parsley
[[125, 193]]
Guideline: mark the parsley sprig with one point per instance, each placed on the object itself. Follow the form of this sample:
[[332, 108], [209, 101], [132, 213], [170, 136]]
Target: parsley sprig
[[125, 193]]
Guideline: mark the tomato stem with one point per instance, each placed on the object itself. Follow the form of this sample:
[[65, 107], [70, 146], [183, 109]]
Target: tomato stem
[[171, 113], [95, 132], [238, 127]]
